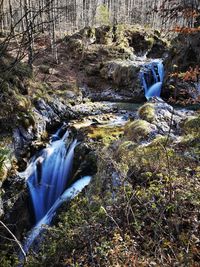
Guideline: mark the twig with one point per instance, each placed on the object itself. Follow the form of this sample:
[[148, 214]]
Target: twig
[[15, 239]]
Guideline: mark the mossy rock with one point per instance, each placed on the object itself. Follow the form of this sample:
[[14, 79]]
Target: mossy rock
[[147, 112], [26, 119], [3, 164], [138, 41], [23, 103], [104, 35], [75, 45], [88, 32], [106, 135], [192, 125], [125, 147], [119, 36], [157, 47], [138, 130], [160, 140]]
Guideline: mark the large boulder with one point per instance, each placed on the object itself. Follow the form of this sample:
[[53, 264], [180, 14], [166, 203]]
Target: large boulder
[[139, 42], [146, 42], [124, 76], [158, 47], [184, 53], [183, 59], [121, 72], [139, 130]]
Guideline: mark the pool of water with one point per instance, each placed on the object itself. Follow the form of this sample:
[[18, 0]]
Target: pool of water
[[124, 106]]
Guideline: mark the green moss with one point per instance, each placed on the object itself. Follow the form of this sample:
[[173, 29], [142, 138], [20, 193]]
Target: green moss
[[150, 41], [160, 141], [120, 37], [147, 112], [191, 142], [137, 130], [105, 134], [23, 103], [192, 125], [125, 147], [4, 154], [26, 119]]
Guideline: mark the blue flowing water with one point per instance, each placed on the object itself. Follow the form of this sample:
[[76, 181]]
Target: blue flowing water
[[68, 194], [152, 77], [47, 176]]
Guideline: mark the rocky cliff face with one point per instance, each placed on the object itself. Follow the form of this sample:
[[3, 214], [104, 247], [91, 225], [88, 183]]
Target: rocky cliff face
[[182, 68]]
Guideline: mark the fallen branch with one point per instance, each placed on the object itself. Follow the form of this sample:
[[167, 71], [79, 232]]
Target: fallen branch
[[15, 239]]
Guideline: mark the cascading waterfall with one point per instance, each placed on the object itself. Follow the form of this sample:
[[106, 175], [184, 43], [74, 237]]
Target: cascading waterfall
[[152, 77], [68, 194], [47, 176]]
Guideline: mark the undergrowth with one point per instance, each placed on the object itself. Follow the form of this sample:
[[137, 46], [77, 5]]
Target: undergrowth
[[142, 209]]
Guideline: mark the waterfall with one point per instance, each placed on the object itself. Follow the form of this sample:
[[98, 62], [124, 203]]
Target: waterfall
[[152, 77], [68, 194], [47, 176]]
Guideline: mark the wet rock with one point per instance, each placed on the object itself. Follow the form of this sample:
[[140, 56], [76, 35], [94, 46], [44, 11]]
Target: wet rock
[[85, 161], [22, 138], [90, 108], [44, 116]]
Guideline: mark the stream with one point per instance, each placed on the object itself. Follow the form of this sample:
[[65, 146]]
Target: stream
[[49, 171]]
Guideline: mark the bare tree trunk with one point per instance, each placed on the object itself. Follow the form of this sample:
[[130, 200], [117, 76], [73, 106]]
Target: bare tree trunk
[[29, 32]]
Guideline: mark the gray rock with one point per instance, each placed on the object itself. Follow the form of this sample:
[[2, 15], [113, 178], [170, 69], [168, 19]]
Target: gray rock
[[168, 119]]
